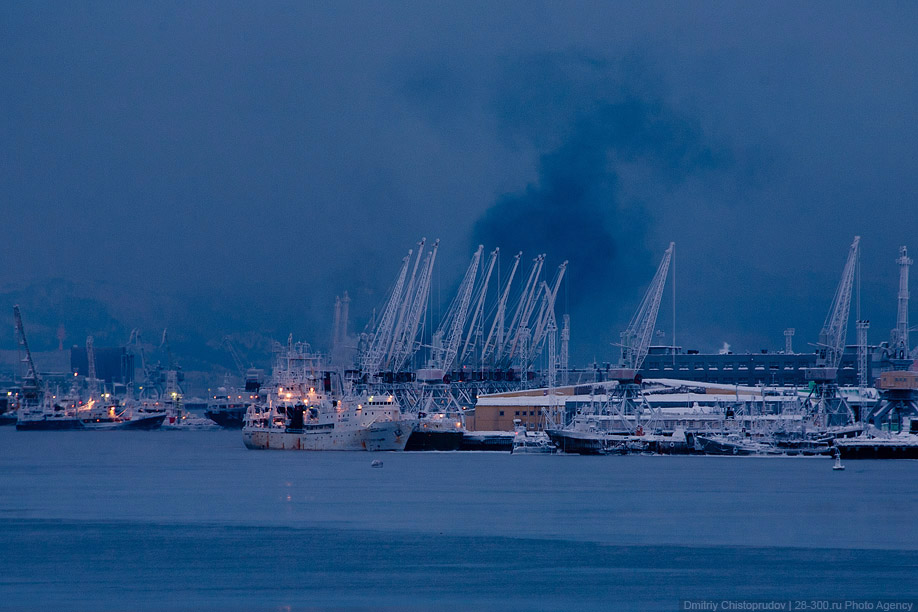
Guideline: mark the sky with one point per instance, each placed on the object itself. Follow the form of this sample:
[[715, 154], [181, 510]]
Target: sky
[[230, 167]]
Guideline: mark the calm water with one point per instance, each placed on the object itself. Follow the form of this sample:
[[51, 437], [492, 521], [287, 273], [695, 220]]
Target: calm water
[[165, 520]]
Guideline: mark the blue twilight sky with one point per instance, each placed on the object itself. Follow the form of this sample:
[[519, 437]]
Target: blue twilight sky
[[230, 167]]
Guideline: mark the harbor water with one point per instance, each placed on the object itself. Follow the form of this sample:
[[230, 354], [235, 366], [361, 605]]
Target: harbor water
[[192, 520]]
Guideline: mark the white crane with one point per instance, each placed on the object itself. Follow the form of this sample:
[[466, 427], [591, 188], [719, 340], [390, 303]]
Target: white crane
[[409, 344], [626, 399], [474, 323], [835, 329], [546, 313], [518, 330], [636, 338], [826, 399], [494, 343], [402, 319], [379, 343], [449, 334]]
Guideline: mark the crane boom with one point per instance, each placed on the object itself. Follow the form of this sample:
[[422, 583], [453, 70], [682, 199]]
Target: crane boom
[[32, 373], [497, 325], [454, 322], [636, 338], [835, 329], [228, 343], [479, 305], [409, 344], [520, 321], [380, 341], [401, 320], [546, 314]]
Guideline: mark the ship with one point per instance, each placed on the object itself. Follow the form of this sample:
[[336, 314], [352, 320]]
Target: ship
[[40, 410], [228, 405], [527, 442], [312, 421], [308, 407], [436, 432], [901, 445]]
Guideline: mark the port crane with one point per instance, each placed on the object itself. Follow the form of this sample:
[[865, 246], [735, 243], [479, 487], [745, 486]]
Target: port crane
[[518, 331], [475, 325], [31, 382], [825, 399], [446, 340], [494, 343], [379, 343], [545, 320], [407, 343], [92, 383], [626, 398]]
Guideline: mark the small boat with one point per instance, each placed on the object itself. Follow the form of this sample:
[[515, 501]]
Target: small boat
[[527, 442], [376, 463]]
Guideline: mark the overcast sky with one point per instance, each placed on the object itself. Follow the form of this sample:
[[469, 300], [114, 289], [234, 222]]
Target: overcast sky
[[252, 160]]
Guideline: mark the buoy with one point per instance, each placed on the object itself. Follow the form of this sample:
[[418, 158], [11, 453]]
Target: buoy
[[838, 464], [376, 463]]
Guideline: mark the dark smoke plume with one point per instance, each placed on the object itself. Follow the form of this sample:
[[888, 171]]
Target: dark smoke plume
[[607, 147]]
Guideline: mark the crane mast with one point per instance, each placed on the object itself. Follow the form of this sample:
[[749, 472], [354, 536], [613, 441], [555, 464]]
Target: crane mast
[[92, 383], [565, 348], [900, 339]]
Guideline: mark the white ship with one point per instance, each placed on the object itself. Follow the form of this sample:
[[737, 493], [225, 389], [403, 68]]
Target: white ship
[[303, 411]]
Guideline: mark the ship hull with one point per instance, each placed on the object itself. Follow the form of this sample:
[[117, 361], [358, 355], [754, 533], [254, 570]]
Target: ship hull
[[877, 450], [384, 436], [49, 425], [487, 441], [229, 419], [580, 443], [432, 440], [145, 423]]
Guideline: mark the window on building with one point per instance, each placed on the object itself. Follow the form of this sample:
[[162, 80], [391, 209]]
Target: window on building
[[501, 413]]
